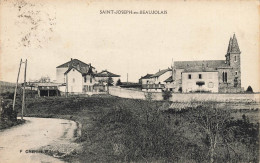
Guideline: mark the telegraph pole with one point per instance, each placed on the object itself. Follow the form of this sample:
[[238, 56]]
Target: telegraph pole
[[16, 84], [23, 102], [127, 78]]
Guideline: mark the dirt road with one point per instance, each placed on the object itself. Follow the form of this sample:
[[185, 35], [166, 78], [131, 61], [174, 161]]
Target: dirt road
[[40, 135]]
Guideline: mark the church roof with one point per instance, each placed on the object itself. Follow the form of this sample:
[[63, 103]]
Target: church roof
[[206, 64], [229, 45], [234, 46]]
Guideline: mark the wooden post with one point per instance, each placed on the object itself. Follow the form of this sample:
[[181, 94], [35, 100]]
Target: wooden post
[[16, 84], [39, 92], [66, 92], [23, 103]]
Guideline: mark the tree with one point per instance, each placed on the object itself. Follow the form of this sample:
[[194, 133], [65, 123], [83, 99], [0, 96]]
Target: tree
[[249, 89], [44, 79], [118, 83], [166, 94], [110, 81], [212, 123]]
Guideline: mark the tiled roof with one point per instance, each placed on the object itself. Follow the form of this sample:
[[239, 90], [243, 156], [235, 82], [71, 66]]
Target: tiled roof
[[169, 79], [106, 73], [160, 73], [82, 70], [147, 76], [73, 62], [206, 64], [200, 69]]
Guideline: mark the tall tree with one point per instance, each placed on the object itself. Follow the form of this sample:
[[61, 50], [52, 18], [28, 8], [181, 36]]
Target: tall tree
[[118, 83], [110, 81]]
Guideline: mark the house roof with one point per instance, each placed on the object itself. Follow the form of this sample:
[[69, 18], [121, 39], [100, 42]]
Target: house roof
[[82, 71], [73, 62], [47, 87], [169, 79], [147, 76], [161, 72], [106, 73]]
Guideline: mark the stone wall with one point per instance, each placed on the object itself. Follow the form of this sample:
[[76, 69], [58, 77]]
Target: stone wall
[[186, 97]]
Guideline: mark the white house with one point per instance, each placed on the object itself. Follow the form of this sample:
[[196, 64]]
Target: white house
[[157, 81], [82, 78]]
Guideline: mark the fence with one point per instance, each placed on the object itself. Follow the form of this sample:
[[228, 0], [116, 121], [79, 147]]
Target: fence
[[186, 97]]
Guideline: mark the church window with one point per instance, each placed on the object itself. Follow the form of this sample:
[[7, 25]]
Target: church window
[[200, 76], [189, 76], [90, 79], [85, 79], [235, 58], [236, 72], [224, 76]]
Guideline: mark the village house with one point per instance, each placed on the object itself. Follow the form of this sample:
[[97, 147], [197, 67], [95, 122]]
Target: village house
[[155, 82], [201, 76], [82, 78]]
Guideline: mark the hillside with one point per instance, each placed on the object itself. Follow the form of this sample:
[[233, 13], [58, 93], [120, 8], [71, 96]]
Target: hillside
[[6, 87], [127, 130]]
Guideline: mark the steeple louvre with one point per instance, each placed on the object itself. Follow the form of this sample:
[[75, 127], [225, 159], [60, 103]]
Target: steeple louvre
[[234, 45]]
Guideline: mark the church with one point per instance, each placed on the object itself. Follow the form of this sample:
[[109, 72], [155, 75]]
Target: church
[[213, 76], [223, 76]]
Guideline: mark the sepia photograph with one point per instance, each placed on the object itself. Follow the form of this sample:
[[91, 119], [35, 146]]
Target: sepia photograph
[[129, 81]]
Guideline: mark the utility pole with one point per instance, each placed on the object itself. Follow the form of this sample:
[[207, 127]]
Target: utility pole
[[66, 92], [17, 84], [23, 102]]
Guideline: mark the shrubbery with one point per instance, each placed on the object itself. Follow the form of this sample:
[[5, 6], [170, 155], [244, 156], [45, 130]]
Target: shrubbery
[[127, 130]]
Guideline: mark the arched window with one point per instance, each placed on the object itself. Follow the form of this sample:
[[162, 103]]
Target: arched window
[[235, 58]]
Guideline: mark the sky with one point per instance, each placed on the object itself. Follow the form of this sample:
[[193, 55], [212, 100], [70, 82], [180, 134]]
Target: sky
[[50, 33]]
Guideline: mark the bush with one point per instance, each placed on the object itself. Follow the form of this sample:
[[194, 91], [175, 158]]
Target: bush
[[249, 89], [166, 95]]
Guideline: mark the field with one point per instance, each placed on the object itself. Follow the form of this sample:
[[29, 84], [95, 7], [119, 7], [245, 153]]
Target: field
[[126, 130]]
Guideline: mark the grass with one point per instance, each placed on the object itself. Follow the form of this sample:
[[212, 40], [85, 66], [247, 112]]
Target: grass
[[127, 130], [7, 124]]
